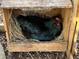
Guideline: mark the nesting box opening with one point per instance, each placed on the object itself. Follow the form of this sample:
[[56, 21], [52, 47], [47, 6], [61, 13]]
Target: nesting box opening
[[36, 25]]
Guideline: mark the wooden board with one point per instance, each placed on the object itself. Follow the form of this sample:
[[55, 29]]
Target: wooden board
[[43, 47], [66, 22], [78, 10], [36, 3], [74, 49], [72, 29], [6, 16], [71, 56]]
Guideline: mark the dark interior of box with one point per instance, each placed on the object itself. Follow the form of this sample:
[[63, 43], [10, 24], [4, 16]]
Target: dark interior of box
[[35, 25]]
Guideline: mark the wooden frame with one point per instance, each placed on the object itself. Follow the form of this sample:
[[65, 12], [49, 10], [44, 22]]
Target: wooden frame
[[65, 46], [25, 47], [43, 47], [68, 45]]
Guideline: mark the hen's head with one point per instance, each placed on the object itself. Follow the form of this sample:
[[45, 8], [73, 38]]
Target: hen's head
[[57, 20]]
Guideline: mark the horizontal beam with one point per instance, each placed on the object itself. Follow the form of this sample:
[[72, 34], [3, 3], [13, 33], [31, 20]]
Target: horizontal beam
[[36, 3], [44, 46]]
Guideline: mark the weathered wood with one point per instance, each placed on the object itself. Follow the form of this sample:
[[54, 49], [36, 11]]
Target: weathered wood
[[50, 46], [71, 35], [74, 50], [36, 3], [6, 16], [66, 22], [72, 28], [33, 46], [71, 56], [78, 10]]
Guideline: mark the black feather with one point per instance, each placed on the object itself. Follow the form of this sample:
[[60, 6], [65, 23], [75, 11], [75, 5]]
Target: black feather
[[39, 28]]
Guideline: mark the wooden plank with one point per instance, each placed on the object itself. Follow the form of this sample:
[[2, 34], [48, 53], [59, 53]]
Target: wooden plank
[[6, 16], [44, 47], [78, 10], [71, 34], [71, 56], [72, 28], [66, 22], [74, 50], [36, 3]]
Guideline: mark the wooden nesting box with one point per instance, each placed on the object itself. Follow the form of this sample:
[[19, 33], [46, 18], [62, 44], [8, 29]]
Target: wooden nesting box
[[66, 8]]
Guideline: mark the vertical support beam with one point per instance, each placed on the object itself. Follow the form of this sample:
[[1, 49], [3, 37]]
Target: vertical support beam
[[74, 50], [71, 36], [78, 10], [66, 21], [72, 29], [6, 16]]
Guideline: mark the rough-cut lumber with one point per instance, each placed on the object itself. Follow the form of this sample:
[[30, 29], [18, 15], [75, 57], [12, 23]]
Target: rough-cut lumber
[[36, 3], [33, 46], [6, 16], [71, 56], [78, 10], [72, 29]]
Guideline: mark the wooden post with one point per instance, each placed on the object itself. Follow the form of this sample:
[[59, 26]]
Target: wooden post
[[72, 29], [6, 16]]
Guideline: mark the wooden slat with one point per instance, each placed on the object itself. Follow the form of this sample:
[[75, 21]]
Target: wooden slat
[[71, 37], [71, 56], [66, 22], [74, 49], [78, 10], [6, 16], [36, 3], [72, 28], [26, 47]]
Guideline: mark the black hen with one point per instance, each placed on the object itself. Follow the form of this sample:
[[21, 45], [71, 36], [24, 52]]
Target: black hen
[[40, 28]]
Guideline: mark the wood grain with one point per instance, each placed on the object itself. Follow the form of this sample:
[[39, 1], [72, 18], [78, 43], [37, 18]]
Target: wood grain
[[43, 47], [36, 3]]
